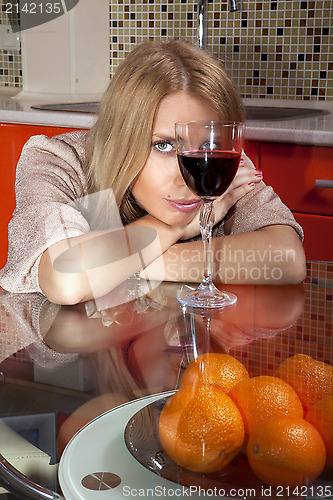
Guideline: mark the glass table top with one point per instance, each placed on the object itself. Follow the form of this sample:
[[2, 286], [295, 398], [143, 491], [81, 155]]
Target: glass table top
[[63, 367]]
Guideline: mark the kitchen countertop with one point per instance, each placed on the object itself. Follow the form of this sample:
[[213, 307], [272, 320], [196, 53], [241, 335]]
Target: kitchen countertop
[[17, 109], [314, 130]]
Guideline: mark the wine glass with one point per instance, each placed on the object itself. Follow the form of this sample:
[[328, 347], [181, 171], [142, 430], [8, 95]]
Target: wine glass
[[208, 156]]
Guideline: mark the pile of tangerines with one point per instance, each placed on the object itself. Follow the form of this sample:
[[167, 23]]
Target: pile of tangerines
[[284, 423]]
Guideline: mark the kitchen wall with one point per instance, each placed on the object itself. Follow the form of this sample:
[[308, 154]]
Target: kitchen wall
[[10, 60], [273, 48]]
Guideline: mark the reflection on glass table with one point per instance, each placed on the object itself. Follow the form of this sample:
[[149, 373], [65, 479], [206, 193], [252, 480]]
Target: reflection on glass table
[[65, 366]]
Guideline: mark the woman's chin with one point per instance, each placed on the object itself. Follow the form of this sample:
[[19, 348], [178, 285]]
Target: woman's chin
[[177, 219]]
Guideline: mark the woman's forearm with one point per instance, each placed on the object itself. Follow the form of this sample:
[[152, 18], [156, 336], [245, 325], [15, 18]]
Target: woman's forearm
[[271, 255], [91, 265]]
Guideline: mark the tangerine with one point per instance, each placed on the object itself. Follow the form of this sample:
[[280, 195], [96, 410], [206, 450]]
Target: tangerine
[[286, 451], [311, 379], [320, 415], [202, 432], [218, 369], [264, 396]]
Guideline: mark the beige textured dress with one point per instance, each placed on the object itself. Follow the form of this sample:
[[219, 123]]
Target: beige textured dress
[[50, 177]]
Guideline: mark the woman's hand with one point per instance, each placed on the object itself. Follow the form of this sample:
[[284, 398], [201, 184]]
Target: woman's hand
[[243, 183]]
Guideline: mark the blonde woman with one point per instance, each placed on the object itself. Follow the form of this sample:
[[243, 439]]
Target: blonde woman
[[130, 153]]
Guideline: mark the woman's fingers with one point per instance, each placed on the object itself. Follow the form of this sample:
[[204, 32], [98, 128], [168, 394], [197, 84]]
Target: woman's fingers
[[245, 175], [238, 192], [244, 182]]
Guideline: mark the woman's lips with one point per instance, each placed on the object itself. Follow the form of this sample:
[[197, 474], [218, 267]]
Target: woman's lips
[[184, 206]]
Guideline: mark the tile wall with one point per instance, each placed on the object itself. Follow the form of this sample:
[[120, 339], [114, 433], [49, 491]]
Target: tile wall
[[10, 60], [273, 48]]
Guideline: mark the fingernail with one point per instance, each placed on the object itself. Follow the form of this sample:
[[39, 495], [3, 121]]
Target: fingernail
[[251, 184], [258, 173], [241, 161]]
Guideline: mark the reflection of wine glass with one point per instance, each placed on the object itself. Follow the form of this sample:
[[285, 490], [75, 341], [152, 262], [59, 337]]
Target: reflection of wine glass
[[208, 156]]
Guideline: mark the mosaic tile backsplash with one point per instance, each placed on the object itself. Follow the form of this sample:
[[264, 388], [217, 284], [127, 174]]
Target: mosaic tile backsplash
[[272, 48]]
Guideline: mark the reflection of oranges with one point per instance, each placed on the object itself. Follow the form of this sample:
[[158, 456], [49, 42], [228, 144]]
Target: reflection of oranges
[[320, 415], [286, 451], [311, 379], [201, 429], [218, 369], [262, 397]]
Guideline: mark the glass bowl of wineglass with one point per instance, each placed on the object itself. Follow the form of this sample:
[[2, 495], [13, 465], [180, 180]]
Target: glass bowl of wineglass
[[208, 155]]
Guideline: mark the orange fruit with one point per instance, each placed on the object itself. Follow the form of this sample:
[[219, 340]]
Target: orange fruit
[[201, 429], [320, 415], [218, 369], [286, 451], [311, 379], [262, 397], [171, 412]]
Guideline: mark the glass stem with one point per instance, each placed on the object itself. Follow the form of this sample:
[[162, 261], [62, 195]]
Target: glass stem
[[207, 218]]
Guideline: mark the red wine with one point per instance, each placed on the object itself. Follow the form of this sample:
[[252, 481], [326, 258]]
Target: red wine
[[208, 173]]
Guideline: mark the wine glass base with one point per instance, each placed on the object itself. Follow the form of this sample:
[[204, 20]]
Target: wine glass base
[[206, 298]]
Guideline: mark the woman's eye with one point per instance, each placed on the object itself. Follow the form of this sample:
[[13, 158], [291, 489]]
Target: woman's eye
[[163, 146], [208, 146]]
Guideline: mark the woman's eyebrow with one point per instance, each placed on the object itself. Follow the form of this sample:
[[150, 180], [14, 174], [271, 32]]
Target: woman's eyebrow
[[163, 137]]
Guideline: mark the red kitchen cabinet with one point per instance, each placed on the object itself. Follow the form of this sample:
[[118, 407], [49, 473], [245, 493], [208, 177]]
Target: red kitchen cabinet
[[298, 173], [12, 139], [318, 236], [294, 171], [252, 150]]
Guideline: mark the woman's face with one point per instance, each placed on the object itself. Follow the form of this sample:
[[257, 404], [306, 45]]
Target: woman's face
[[160, 188]]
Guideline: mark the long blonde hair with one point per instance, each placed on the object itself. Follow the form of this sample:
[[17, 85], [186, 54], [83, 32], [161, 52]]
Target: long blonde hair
[[120, 141]]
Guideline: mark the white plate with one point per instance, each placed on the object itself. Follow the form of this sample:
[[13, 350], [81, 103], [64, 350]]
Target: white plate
[[96, 464], [99, 447]]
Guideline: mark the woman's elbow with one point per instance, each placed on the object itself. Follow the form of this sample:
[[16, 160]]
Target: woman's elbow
[[295, 271], [292, 254], [60, 288], [64, 292], [298, 273]]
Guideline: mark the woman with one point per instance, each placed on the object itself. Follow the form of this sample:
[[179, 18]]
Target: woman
[[65, 250]]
